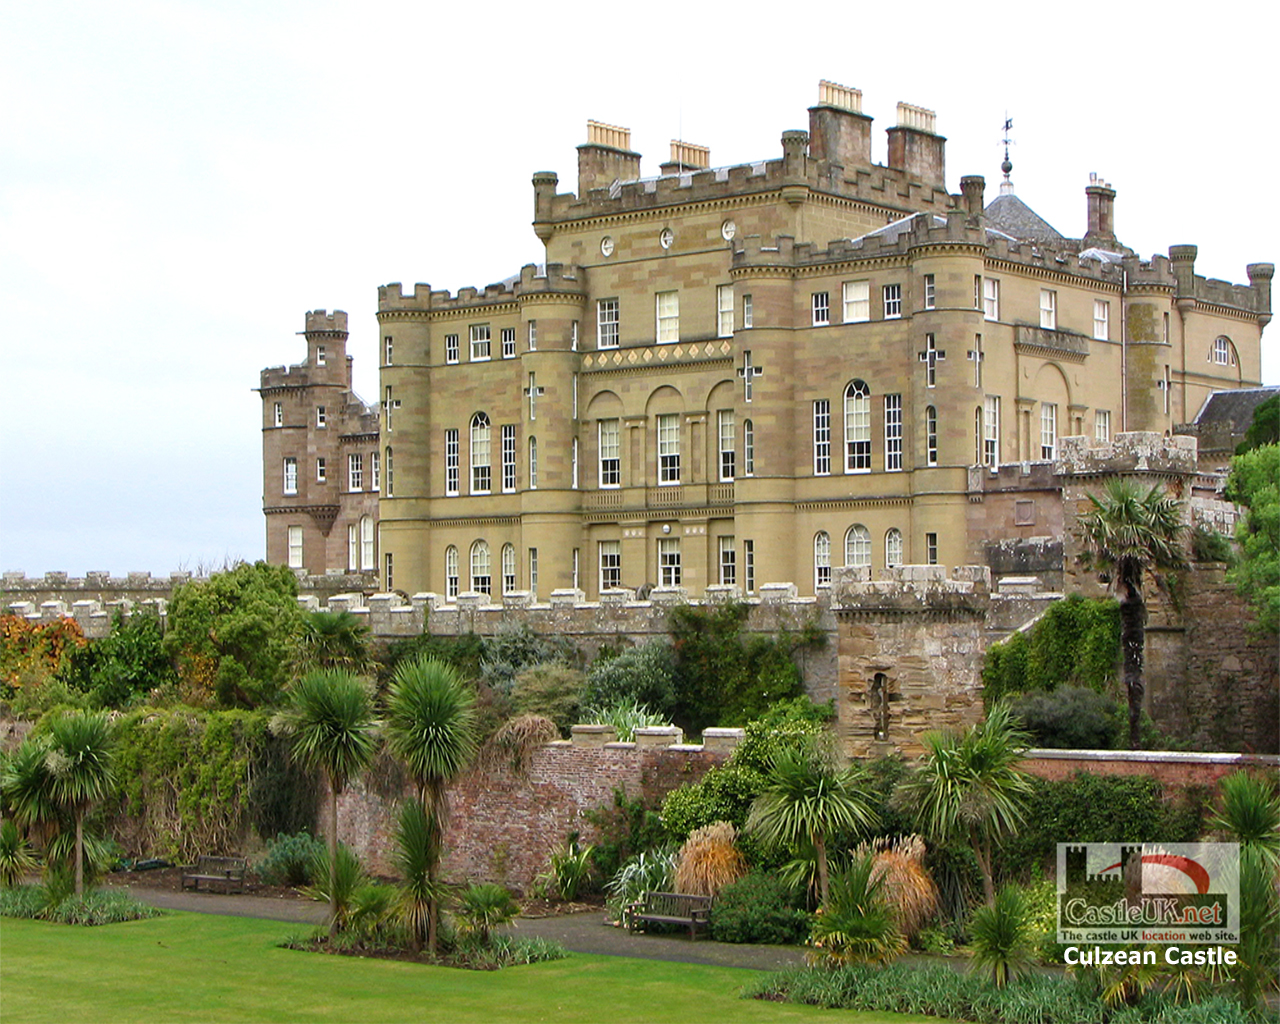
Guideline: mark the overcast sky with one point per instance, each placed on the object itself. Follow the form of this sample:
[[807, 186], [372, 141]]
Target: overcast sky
[[181, 181]]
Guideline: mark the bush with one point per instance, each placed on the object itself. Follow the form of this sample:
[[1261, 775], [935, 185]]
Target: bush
[[127, 663], [641, 675], [551, 690], [624, 828], [625, 718], [1071, 718], [909, 892], [516, 647], [758, 908], [292, 860], [723, 794], [1075, 643], [481, 908], [97, 906], [1002, 937], [709, 860], [648, 871], [1210, 545]]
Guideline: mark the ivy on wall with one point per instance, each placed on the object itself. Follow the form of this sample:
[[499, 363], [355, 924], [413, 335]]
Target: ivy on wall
[[1075, 643]]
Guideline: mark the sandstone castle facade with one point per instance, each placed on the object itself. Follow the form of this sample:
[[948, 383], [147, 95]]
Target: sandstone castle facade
[[725, 376]]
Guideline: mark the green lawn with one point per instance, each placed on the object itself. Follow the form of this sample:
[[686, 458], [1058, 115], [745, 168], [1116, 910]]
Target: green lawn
[[193, 967]]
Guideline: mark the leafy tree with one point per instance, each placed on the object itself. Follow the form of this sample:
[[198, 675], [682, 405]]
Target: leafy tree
[[643, 674], [330, 720], [1255, 483], [431, 727], [127, 662], [234, 635], [1126, 533], [807, 797], [79, 762], [970, 786]]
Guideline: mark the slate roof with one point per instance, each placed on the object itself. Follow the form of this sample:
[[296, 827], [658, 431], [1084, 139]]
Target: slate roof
[[891, 231], [1233, 407], [1012, 216]]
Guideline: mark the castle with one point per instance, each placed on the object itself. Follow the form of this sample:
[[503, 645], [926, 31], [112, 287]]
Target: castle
[[723, 376]]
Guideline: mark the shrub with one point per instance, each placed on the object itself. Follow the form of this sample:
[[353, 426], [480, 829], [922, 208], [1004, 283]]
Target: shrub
[[337, 888], [723, 794], [1071, 718], [516, 740], [642, 675], [98, 906], [16, 859], [551, 690], [909, 891], [1002, 937], [481, 908], [758, 908], [625, 718], [291, 860], [1210, 545], [855, 925], [624, 828], [709, 860], [514, 648], [1075, 643], [569, 872], [647, 871], [128, 662]]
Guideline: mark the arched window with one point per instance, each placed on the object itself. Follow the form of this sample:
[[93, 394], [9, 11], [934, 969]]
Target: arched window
[[366, 544], [450, 572], [979, 432], [481, 581], [748, 448], [857, 546], [821, 559], [857, 428], [391, 488], [508, 568], [1222, 354], [893, 547], [533, 463], [480, 472], [931, 435]]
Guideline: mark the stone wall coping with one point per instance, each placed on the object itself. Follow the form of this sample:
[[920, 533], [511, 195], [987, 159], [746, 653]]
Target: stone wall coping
[[1151, 756]]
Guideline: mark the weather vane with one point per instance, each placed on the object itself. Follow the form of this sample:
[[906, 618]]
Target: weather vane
[[1007, 164]]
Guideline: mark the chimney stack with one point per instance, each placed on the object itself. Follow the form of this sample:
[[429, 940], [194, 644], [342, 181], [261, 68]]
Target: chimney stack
[[686, 156], [839, 131], [605, 157], [915, 148], [1102, 223]]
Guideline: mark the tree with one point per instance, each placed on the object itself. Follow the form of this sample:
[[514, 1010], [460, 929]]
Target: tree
[[334, 640], [1265, 426], [1126, 533], [79, 761], [431, 727], [330, 721], [1255, 483], [234, 635], [807, 797], [970, 786]]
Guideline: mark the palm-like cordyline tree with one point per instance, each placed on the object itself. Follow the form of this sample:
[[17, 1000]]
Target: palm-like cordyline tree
[[334, 640], [330, 721], [1124, 534], [431, 727], [807, 797], [970, 785], [79, 760]]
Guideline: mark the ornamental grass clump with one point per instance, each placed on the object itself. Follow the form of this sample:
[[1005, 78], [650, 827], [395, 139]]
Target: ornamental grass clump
[[709, 860], [909, 890]]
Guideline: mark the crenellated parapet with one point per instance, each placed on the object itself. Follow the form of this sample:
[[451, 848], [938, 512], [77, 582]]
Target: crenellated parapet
[[1134, 452], [534, 280]]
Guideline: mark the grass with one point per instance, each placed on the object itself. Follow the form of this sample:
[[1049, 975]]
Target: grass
[[194, 967]]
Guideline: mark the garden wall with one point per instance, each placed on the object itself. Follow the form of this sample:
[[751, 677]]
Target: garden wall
[[1174, 770], [506, 820]]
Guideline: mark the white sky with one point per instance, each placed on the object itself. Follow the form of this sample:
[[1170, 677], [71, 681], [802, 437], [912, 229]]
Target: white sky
[[181, 181]]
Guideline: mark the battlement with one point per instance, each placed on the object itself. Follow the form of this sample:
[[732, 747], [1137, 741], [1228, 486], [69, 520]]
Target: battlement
[[905, 589], [1138, 451], [321, 320], [534, 278]]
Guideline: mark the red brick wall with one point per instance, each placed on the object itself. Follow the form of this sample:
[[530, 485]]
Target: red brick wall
[[1174, 771], [504, 824]]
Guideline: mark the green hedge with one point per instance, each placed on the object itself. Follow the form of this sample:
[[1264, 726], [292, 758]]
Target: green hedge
[[1075, 643]]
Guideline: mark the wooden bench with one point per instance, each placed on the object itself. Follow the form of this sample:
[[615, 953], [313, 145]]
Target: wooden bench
[[670, 908], [227, 872]]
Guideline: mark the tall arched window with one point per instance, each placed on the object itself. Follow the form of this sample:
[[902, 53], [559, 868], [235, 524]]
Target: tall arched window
[[857, 546], [821, 559], [930, 435], [857, 428], [481, 581], [748, 448], [508, 568], [366, 544], [893, 547], [533, 463], [450, 572], [390, 470], [1222, 355], [480, 456]]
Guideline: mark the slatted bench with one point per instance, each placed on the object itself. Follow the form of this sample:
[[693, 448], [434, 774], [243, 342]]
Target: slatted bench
[[670, 908], [227, 872]]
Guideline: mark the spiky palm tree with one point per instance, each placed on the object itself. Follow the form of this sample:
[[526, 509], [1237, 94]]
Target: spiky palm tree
[[334, 640], [969, 785], [431, 727], [807, 796], [26, 787], [1125, 533], [79, 760], [330, 722]]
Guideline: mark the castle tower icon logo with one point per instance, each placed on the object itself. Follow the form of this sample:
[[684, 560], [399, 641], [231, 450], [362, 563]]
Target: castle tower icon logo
[[1147, 892]]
